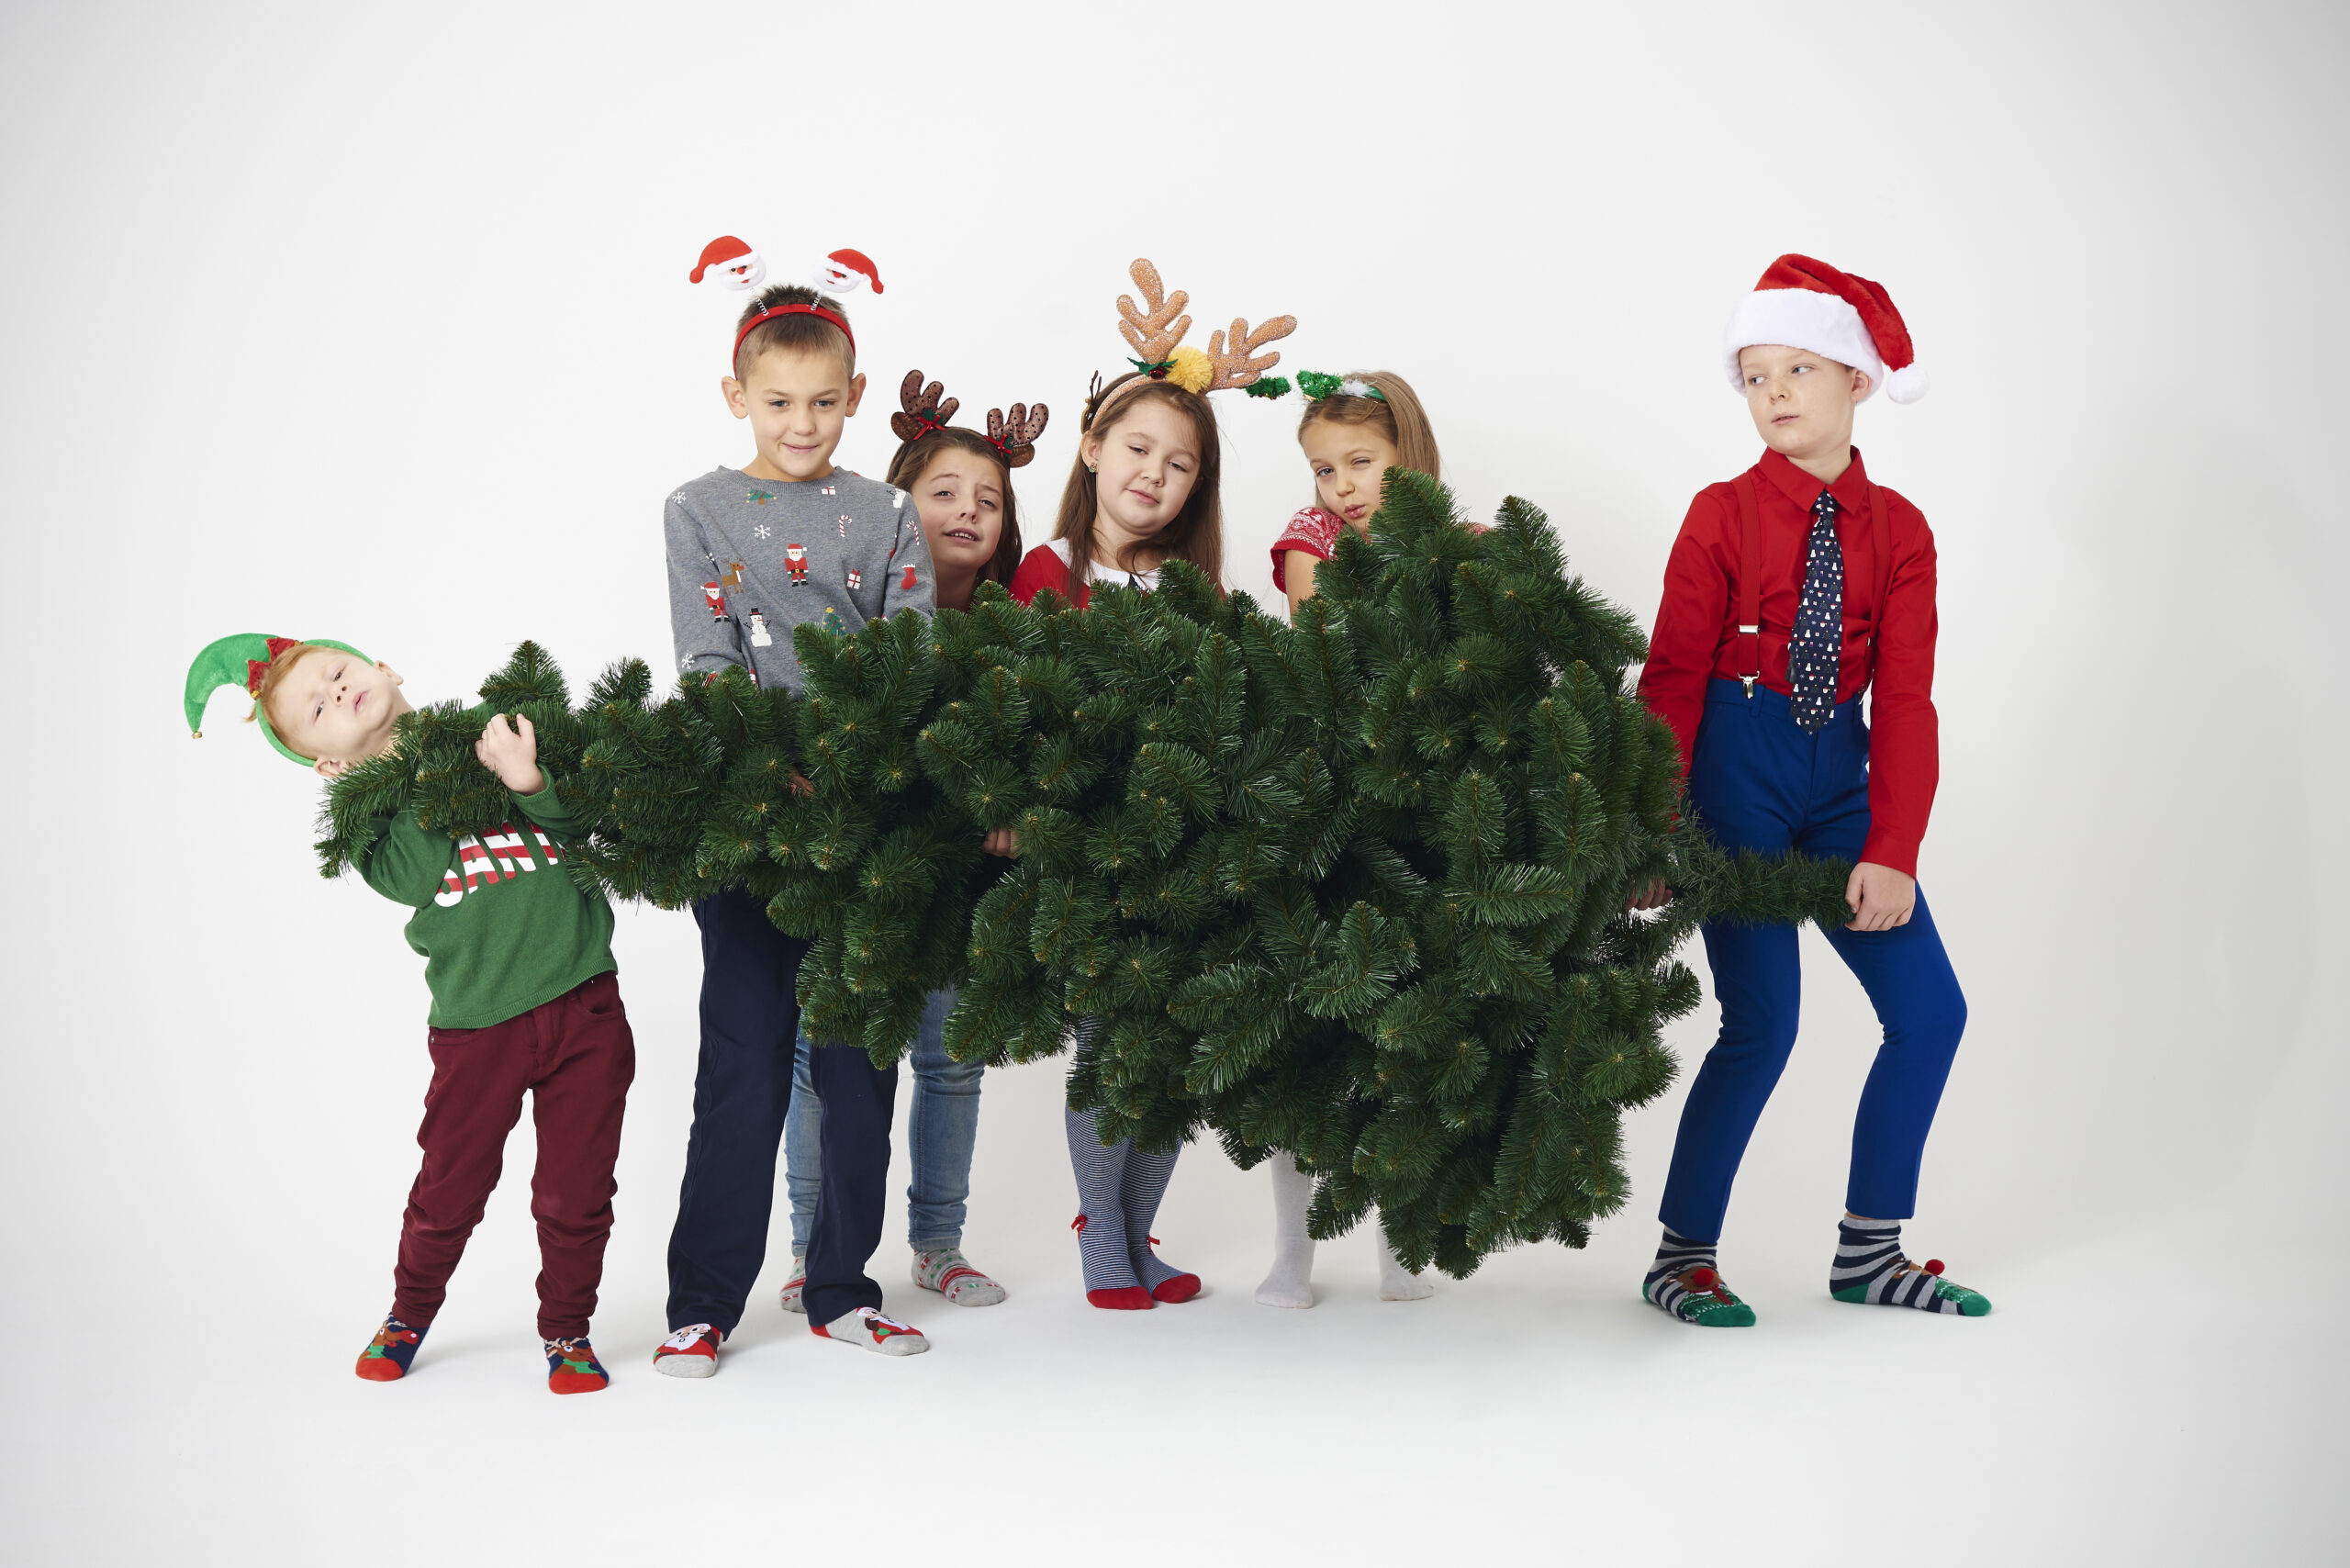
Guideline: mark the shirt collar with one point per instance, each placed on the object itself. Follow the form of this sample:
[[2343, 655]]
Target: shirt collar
[[1851, 488]]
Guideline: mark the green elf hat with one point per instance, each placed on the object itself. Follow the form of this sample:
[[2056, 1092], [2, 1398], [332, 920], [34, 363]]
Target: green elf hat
[[240, 661]]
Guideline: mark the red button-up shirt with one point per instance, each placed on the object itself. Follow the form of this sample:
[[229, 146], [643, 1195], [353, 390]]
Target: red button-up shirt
[[1696, 630]]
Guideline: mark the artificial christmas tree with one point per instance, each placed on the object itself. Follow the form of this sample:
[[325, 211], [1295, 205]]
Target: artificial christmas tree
[[1353, 890]]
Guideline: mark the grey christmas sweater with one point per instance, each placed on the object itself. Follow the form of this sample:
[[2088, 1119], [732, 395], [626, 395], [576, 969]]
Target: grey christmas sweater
[[751, 559]]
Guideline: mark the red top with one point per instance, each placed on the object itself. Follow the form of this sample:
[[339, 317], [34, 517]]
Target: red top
[[1314, 531], [1696, 630], [1047, 566]]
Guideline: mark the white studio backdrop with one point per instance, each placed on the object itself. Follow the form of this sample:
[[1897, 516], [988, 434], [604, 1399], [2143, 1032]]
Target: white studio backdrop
[[376, 326]]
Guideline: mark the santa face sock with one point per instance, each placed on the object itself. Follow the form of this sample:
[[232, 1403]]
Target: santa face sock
[[1870, 1268], [1290, 1280], [947, 1271], [874, 1329], [1101, 1225], [572, 1366], [691, 1351], [388, 1355], [1684, 1282], [1146, 1185]]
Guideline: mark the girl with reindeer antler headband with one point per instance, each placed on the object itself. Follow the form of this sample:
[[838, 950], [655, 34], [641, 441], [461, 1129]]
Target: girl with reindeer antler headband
[[1143, 492], [961, 484], [1144, 489]]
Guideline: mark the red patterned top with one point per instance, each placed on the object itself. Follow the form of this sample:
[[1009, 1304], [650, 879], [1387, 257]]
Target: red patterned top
[[1314, 531]]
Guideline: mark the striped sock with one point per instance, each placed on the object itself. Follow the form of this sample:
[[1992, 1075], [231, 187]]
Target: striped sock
[[1684, 1283], [1147, 1178], [1101, 1225], [388, 1355], [572, 1366], [1870, 1268]]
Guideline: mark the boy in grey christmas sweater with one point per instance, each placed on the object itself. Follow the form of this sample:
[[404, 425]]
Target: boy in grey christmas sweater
[[755, 553]]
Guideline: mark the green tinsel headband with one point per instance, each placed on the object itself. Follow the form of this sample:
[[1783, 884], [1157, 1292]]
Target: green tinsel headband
[[241, 660], [1317, 385]]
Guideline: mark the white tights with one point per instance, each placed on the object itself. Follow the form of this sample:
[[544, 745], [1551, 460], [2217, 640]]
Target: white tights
[[1290, 1283]]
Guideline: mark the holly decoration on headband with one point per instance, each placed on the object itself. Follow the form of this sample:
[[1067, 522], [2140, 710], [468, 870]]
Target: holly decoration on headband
[[1317, 385], [242, 660]]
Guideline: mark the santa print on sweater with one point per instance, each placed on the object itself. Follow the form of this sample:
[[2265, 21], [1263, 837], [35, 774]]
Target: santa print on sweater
[[1888, 649], [481, 861]]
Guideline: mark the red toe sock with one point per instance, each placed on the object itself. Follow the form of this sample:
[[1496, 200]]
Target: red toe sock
[[1183, 1287], [1130, 1298]]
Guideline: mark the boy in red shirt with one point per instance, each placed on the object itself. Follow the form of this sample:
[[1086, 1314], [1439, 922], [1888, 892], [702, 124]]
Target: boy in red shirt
[[1792, 590]]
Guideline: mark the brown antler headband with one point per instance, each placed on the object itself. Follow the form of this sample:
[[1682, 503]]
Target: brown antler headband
[[923, 410]]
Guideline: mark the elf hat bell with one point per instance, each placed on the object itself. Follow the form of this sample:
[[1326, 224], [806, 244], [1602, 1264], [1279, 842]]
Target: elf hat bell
[[1806, 304]]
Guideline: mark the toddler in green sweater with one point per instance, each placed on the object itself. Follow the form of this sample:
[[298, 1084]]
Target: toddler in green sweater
[[525, 998]]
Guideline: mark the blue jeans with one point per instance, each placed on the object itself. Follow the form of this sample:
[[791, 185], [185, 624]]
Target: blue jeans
[[945, 1119], [1759, 782]]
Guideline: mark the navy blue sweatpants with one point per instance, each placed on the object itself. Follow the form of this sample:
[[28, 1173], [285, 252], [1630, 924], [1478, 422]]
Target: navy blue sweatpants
[[1759, 782], [750, 1021]]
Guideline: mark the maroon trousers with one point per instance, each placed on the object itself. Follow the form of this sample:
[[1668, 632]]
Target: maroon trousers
[[574, 1056]]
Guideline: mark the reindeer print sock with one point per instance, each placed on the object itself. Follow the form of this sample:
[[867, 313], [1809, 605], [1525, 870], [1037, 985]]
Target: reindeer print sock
[[1871, 1268], [388, 1355], [1684, 1282], [572, 1366]]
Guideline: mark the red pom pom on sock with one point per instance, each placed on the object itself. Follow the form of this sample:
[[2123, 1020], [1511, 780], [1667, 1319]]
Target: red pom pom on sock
[[1703, 1278], [1933, 1266]]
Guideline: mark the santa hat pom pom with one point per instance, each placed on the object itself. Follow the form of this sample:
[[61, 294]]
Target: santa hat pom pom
[[1906, 385]]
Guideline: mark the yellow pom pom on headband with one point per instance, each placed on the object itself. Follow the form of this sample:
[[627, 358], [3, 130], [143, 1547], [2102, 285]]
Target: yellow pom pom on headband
[[242, 660], [1155, 329]]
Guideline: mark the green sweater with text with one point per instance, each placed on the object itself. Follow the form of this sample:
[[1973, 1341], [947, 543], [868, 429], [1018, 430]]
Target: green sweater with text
[[502, 924]]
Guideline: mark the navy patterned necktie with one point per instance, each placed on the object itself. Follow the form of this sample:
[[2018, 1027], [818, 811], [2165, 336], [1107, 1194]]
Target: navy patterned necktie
[[1816, 649]]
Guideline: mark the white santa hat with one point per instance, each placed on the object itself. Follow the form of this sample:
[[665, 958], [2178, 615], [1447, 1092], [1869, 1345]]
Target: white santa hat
[[1805, 303], [739, 265]]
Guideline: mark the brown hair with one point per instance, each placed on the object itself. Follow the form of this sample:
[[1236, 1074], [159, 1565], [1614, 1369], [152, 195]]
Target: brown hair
[[275, 674], [1395, 414], [1195, 533], [796, 333], [913, 460]]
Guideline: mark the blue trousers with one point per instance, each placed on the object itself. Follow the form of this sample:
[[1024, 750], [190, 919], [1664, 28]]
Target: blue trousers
[[942, 1132], [1758, 782], [750, 1019]]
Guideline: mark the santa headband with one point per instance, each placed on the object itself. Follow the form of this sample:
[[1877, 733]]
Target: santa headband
[[924, 410], [242, 660], [739, 267], [1155, 331], [1805, 304]]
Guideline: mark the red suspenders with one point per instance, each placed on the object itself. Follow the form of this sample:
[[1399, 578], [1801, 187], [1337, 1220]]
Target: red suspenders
[[1749, 578]]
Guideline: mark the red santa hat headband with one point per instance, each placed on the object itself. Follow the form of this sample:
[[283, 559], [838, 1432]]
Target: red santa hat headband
[[739, 267], [1806, 304]]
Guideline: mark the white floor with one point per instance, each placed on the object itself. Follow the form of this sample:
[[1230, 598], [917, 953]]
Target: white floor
[[2142, 1399]]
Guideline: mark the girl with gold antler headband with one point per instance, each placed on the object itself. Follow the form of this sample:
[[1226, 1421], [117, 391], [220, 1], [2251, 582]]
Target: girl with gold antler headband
[[1143, 492], [961, 483], [1144, 489]]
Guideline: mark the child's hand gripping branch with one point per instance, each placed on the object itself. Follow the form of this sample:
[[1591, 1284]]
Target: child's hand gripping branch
[[511, 751]]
